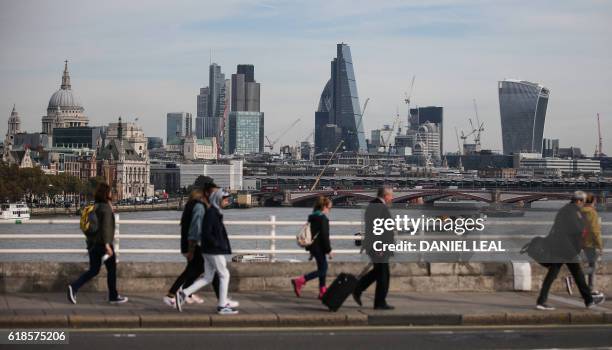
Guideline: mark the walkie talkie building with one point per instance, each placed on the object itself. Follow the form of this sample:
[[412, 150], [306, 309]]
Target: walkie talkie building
[[522, 106]]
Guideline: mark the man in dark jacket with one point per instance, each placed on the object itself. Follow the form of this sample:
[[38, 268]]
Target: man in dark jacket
[[377, 210], [564, 243]]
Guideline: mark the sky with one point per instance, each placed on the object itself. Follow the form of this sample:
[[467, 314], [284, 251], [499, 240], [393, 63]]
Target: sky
[[143, 59]]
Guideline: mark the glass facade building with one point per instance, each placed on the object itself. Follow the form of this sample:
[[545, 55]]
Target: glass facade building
[[522, 107], [77, 137], [176, 124], [340, 101], [202, 111], [246, 132]]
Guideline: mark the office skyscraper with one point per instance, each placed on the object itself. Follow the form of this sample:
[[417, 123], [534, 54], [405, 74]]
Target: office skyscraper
[[213, 106], [216, 83], [202, 111], [248, 70], [339, 104], [178, 125], [245, 90], [245, 128], [522, 107], [246, 132]]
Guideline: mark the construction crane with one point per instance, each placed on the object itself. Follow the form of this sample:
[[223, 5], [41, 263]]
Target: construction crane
[[326, 165], [307, 139], [599, 149], [271, 144], [365, 105], [480, 126], [458, 143], [408, 97], [385, 142]]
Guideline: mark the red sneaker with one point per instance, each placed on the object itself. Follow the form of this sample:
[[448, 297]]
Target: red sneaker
[[298, 283], [322, 291]]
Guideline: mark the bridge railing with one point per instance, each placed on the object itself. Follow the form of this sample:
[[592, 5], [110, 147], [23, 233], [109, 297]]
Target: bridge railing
[[272, 236]]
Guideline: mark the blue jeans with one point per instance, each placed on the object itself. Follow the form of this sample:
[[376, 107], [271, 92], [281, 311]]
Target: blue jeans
[[321, 270], [96, 253]]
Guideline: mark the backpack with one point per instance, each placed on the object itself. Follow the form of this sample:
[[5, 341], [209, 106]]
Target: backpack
[[89, 221], [304, 237]]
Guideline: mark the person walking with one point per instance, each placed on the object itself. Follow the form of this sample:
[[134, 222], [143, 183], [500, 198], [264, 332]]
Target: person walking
[[592, 242], [100, 249], [191, 233], [215, 245], [564, 243], [320, 248], [377, 209]]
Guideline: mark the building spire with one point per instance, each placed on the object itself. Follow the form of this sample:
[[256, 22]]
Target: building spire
[[120, 130], [66, 77]]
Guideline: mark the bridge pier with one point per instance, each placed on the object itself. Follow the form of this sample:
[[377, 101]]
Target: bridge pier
[[286, 199], [495, 197]]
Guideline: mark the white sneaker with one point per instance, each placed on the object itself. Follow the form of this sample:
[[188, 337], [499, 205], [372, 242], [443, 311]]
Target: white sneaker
[[196, 299], [544, 307], [226, 311], [170, 301], [232, 303]]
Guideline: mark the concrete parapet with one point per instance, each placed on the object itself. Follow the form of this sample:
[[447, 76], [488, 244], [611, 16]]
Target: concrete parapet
[[151, 277]]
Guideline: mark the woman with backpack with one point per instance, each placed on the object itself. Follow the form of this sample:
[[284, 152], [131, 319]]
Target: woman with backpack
[[100, 248], [320, 248]]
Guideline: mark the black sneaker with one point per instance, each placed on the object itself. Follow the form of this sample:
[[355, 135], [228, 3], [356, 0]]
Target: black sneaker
[[71, 295], [384, 307], [544, 307], [596, 301], [180, 299], [119, 300]]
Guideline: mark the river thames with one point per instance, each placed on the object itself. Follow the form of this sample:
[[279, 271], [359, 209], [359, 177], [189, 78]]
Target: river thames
[[542, 212]]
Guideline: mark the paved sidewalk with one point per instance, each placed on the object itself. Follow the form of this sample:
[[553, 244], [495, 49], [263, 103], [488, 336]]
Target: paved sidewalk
[[270, 309]]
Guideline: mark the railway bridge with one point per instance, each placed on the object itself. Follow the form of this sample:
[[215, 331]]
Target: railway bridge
[[302, 198]]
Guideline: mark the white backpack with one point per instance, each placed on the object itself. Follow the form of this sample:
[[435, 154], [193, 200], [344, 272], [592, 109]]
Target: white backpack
[[304, 237]]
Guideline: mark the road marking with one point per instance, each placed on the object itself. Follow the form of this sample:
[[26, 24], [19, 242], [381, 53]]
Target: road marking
[[506, 328], [577, 303]]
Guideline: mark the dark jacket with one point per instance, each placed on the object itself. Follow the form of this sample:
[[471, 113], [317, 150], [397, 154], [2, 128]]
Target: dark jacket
[[377, 209], [319, 227], [565, 238], [185, 224], [214, 235], [106, 222]]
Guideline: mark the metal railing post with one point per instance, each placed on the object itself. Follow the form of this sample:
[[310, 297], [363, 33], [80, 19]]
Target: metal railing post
[[117, 234], [273, 237]]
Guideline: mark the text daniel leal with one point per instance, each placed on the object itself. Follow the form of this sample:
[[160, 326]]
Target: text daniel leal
[[440, 246]]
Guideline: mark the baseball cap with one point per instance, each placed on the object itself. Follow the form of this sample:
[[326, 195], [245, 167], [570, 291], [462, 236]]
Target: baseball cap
[[205, 183]]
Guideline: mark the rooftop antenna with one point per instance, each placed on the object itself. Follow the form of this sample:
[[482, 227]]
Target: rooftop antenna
[[210, 56]]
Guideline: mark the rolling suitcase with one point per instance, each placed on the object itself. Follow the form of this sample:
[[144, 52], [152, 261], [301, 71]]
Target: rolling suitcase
[[339, 290]]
